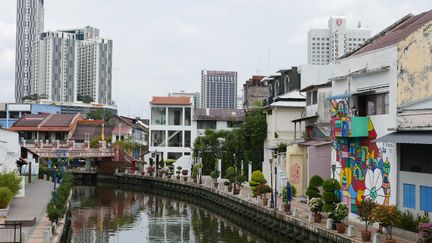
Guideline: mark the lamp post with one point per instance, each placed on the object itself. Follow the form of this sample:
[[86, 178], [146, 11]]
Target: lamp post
[[200, 161], [333, 168], [271, 182]]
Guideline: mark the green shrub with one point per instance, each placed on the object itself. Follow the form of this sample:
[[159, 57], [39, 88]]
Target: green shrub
[[313, 189], [5, 197], [411, 222], [53, 212], [12, 181], [230, 174], [330, 196], [257, 178], [284, 193]]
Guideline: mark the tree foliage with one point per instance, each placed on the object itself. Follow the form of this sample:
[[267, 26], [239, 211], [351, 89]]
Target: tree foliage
[[100, 114], [313, 190], [85, 98]]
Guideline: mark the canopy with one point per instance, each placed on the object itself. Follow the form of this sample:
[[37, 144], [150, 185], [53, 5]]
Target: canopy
[[340, 96], [424, 137]]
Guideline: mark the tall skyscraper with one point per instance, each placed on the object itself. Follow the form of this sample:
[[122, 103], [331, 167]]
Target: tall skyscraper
[[75, 62], [30, 25], [326, 45], [218, 89]]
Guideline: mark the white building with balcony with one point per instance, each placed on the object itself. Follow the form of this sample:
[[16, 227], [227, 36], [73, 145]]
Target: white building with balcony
[[171, 133]]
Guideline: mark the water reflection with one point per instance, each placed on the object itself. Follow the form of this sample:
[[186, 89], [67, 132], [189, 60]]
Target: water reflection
[[106, 214]]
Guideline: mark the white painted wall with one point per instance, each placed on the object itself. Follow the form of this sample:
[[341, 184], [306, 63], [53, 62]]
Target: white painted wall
[[383, 57], [10, 150]]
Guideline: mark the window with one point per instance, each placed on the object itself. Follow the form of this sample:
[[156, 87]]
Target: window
[[187, 117], [372, 104], [187, 138], [158, 115], [206, 124], [409, 196], [416, 158], [158, 138], [2, 114], [315, 97], [232, 124], [426, 198], [175, 116], [174, 156], [175, 139], [308, 98]]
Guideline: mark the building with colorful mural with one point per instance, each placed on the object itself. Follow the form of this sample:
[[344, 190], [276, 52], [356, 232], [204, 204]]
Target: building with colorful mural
[[371, 87]]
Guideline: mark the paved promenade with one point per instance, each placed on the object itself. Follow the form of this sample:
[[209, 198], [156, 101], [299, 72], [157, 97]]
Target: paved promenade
[[304, 212], [37, 196]]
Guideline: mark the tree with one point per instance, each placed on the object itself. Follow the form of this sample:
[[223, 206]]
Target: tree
[[85, 98], [330, 196], [313, 191], [100, 114]]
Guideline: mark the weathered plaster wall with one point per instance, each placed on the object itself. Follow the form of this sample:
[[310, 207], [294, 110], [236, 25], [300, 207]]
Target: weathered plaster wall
[[415, 66], [296, 167]]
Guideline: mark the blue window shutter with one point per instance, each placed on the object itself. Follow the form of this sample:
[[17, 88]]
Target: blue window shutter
[[426, 198], [409, 196]]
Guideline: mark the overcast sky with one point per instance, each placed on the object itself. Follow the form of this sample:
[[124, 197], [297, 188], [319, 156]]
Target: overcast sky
[[161, 46]]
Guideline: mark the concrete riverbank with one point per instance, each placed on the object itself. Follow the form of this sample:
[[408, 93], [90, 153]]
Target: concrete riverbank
[[294, 227]]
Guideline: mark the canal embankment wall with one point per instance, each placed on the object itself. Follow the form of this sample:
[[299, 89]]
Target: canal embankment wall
[[270, 219]]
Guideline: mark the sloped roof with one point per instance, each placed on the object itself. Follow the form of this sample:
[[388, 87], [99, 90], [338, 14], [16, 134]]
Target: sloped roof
[[292, 95], [394, 33], [45, 122], [90, 130], [171, 100], [219, 114]]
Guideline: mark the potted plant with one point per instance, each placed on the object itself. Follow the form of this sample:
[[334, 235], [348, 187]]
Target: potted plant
[[150, 170], [215, 175], [257, 179], [170, 165], [185, 173], [313, 190], [387, 216], [331, 198], [195, 172], [238, 182], [6, 197], [425, 232], [287, 205], [230, 176], [340, 214], [315, 206], [143, 163], [178, 171], [282, 148], [227, 183], [365, 214], [262, 190]]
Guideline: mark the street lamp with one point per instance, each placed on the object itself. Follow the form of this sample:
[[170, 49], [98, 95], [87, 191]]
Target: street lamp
[[271, 181], [333, 168]]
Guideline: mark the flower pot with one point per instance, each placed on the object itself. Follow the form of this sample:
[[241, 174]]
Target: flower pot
[[366, 235], [334, 225], [178, 177], [390, 241], [340, 227], [287, 207], [317, 217], [230, 187], [265, 201], [185, 178], [195, 180], [215, 184], [236, 191]]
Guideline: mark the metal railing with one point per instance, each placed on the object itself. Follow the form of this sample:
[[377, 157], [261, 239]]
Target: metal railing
[[10, 232]]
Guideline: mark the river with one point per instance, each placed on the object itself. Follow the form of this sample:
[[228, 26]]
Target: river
[[105, 213]]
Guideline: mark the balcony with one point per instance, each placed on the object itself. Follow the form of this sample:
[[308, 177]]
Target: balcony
[[348, 127]]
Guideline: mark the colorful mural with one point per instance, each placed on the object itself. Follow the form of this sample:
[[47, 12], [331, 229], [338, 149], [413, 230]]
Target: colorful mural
[[361, 169], [295, 173]]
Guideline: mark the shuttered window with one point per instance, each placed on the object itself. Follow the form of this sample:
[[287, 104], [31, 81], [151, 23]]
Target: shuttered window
[[409, 196], [426, 198]]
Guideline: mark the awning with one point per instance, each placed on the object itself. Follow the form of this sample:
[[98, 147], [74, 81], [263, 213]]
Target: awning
[[407, 137], [304, 118], [314, 142], [340, 96]]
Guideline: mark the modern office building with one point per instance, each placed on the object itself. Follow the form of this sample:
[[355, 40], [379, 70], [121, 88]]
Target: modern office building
[[218, 89], [326, 45], [30, 25]]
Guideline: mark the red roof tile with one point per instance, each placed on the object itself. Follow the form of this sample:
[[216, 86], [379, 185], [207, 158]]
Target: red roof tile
[[171, 100], [394, 33]]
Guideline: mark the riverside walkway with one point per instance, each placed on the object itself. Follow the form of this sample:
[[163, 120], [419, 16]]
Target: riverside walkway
[[302, 208]]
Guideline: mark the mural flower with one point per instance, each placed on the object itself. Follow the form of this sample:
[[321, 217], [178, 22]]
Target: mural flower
[[374, 189]]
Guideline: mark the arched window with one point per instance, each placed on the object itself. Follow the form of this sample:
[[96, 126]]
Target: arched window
[[286, 83], [270, 90], [276, 88]]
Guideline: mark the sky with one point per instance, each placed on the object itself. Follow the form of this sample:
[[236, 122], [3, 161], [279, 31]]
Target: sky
[[161, 46]]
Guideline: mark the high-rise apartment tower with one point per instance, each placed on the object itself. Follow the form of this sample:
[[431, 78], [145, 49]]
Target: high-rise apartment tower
[[218, 89]]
